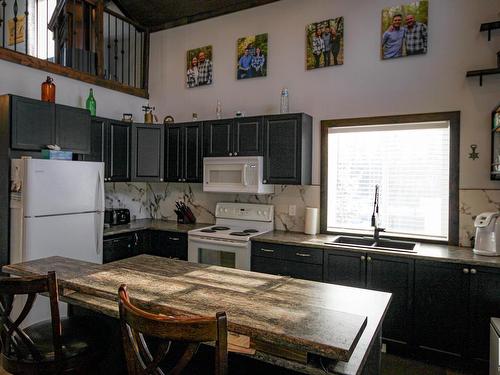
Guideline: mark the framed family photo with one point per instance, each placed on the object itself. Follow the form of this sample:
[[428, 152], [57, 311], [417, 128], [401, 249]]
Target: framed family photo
[[199, 67], [325, 43], [404, 30], [252, 52]]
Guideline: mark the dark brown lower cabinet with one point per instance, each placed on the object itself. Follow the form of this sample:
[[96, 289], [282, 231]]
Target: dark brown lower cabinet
[[484, 304], [345, 268], [169, 244], [393, 275], [441, 306]]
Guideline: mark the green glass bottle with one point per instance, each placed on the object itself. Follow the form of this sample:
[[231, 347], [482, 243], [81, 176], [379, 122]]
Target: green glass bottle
[[90, 105]]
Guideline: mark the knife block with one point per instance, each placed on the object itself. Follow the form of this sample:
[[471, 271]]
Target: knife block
[[183, 219]]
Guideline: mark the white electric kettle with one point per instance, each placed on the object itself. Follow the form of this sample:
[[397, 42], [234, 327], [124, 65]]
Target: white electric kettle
[[487, 240]]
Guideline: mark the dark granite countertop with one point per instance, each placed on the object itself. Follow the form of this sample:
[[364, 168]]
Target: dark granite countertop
[[152, 224], [333, 321], [424, 251]]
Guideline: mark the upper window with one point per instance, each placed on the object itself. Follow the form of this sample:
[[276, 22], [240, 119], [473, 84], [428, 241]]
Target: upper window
[[411, 164]]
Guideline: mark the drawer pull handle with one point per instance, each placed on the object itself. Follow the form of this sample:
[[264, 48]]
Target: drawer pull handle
[[267, 250], [473, 271], [466, 270], [302, 255], [174, 238]]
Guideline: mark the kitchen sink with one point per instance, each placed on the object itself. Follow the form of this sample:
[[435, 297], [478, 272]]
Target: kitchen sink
[[370, 243], [356, 241]]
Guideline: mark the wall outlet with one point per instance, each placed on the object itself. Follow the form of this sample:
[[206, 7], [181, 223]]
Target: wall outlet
[[292, 210]]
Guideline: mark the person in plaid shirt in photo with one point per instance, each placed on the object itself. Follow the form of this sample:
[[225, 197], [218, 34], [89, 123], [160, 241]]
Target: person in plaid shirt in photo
[[318, 46], [204, 70], [415, 36], [258, 62]]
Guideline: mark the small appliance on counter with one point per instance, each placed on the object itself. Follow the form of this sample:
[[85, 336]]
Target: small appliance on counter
[[117, 216], [487, 241]]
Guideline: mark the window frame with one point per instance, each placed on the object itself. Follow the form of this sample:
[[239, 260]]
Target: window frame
[[454, 120]]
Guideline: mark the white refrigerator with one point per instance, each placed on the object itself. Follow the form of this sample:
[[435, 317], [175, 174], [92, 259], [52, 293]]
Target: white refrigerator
[[57, 208]]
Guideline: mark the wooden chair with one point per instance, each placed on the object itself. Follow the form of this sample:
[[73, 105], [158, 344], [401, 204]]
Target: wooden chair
[[48, 347], [137, 324]]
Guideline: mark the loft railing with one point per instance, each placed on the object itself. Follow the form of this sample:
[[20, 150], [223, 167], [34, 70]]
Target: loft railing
[[81, 35]]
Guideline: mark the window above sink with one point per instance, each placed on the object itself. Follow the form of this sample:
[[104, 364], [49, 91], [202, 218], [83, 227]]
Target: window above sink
[[414, 159]]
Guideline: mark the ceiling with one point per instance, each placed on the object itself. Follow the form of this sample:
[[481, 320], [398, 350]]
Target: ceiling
[[164, 14]]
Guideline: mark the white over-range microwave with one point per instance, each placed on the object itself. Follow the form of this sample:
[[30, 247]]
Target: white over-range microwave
[[241, 174]]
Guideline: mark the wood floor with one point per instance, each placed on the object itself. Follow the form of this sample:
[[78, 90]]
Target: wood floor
[[393, 365]]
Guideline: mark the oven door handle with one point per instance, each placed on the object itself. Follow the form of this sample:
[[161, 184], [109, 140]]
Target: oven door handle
[[215, 242]]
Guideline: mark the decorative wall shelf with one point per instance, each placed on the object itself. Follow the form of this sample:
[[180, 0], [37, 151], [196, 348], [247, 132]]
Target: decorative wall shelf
[[490, 26], [482, 72], [486, 72]]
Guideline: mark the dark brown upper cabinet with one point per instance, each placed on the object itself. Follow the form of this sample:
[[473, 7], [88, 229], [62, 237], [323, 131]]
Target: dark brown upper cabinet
[[183, 152], [288, 149], [233, 137], [118, 151], [36, 124], [147, 152], [32, 123], [73, 129]]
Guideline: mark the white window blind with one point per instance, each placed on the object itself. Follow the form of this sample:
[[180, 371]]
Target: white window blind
[[411, 164]]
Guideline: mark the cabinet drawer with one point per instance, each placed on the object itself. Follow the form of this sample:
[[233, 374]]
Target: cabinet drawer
[[268, 250], [267, 265], [304, 255]]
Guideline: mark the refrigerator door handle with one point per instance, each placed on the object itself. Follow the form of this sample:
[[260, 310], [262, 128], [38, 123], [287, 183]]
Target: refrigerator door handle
[[99, 229], [100, 193]]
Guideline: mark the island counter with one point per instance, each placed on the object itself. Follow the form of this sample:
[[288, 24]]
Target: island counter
[[328, 325]]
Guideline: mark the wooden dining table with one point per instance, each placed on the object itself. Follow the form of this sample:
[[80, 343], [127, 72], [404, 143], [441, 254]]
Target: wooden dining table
[[305, 326]]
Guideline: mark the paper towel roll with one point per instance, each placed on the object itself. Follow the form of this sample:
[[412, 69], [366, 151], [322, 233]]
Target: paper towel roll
[[312, 220]]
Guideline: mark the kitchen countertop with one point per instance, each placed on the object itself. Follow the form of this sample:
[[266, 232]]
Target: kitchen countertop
[[337, 322], [424, 251], [152, 224]]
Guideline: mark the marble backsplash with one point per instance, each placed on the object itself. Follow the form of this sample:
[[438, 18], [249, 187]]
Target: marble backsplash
[[157, 200]]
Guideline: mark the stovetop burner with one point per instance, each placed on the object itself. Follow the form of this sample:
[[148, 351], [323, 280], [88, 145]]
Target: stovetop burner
[[250, 231], [207, 231], [219, 228], [240, 234]]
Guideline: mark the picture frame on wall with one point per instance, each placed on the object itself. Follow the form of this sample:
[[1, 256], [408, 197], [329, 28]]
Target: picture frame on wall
[[325, 43], [252, 55], [199, 68], [404, 30]]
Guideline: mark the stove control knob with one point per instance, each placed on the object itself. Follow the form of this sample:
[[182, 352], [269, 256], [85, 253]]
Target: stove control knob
[[259, 212]]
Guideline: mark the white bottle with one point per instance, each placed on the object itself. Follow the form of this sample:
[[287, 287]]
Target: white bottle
[[284, 105]]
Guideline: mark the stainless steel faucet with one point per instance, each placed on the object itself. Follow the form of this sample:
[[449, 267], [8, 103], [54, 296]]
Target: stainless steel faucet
[[375, 217]]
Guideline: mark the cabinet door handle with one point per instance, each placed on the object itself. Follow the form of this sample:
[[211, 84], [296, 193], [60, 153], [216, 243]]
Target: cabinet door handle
[[302, 255], [230, 154], [267, 250], [174, 238], [363, 258], [264, 181], [235, 154], [473, 271], [161, 179], [180, 179], [369, 259], [466, 270]]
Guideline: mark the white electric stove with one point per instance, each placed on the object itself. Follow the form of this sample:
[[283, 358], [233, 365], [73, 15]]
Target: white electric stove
[[227, 242]]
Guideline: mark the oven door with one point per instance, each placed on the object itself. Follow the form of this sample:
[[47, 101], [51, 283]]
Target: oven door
[[219, 253]]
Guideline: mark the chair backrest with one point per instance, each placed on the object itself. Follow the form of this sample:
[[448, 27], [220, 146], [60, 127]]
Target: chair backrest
[[16, 344], [137, 323]]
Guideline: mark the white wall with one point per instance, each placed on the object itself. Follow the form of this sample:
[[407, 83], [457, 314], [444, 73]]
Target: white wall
[[363, 86], [20, 80]]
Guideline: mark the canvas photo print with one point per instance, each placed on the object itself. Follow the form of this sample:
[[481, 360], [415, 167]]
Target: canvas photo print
[[252, 55], [404, 30], [199, 67], [325, 43]]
